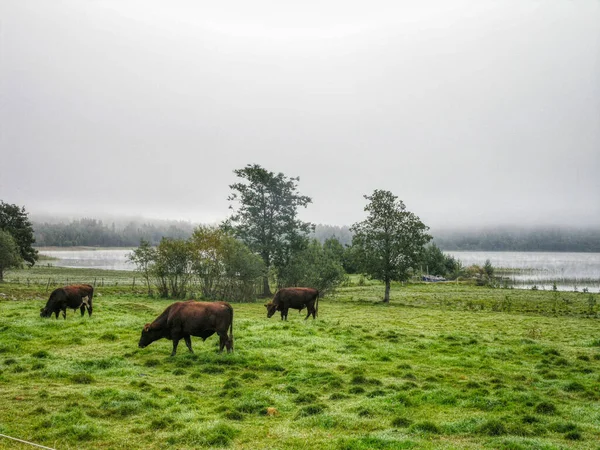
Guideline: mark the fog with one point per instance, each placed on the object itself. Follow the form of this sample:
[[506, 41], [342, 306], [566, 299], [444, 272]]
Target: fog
[[473, 113]]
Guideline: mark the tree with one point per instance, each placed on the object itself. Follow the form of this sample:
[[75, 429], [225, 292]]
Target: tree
[[227, 269], [172, 268], [389, 243], [143, 257], [438, 263], [15, 221], [265, 216], [317, 266], [9, 253]]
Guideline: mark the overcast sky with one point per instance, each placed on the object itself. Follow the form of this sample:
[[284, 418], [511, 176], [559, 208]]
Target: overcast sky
[[471, 112]]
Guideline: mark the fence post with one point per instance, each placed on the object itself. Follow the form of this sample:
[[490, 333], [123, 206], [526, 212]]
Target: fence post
[[48, 285]]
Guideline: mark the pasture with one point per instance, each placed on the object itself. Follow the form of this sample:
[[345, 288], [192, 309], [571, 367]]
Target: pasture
[[442, 366]]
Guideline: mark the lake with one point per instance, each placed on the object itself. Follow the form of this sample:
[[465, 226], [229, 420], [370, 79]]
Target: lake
[[522, 269], [541, 269], [107, 259]]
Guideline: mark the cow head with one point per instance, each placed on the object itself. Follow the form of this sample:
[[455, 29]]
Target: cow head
[[271, 309], [149, 336], [45, 312]]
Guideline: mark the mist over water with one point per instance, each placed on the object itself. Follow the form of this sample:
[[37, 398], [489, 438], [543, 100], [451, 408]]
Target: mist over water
[[569, 271], [109, 259]]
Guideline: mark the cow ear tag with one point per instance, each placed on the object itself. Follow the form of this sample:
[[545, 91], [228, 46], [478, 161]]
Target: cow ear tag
[[146, 327]]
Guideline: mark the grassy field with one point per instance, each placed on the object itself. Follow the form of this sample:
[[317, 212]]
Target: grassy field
[[442, 366]]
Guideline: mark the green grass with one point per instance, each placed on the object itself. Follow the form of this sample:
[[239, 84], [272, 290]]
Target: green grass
[[442, 366]]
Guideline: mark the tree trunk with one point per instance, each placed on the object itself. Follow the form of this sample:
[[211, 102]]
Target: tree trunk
[[386, 298], [266, 288]]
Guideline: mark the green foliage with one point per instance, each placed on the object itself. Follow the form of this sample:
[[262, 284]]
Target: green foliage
[[483, 276], [438, 263], [15, 221], [390, 241], [316, 266], [144, 258], [10, 257], [172, 268], [227, 269], [265, 216], [95, 233], [488, 269]]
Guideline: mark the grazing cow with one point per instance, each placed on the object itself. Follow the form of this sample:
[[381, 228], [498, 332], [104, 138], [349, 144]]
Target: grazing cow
[[73, 296], [295, 298], [191, 318]]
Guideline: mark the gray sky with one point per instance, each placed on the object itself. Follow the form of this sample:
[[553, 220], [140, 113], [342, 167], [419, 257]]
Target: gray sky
[[471, 112]]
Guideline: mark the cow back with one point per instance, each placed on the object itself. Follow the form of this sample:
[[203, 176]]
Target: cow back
[[194, 317], [295, 297]]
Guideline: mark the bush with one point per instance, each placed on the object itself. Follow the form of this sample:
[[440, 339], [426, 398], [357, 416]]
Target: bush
[[225, 266], [315, 266]]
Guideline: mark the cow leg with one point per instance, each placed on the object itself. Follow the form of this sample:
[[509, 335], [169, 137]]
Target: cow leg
[[225, 341], [64, 313], [222, 341], [89, 308], [188, 342], [175, 343], [82, 309], [56, 313]]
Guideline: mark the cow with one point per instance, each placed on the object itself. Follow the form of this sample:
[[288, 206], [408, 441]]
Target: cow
[[191, 318], [295, 298], [73, 296]]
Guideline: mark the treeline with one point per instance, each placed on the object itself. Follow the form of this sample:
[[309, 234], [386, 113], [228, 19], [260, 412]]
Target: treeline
[[538, 239], [95, 233], [90, 232]]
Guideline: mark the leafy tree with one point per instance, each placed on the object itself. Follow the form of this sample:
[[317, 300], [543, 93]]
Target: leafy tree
[[243, 271], [265, 216], [488, 268], [15, 221], [172, 268], [143, 257], [390, 242], [438, 263], [316, 266], [225, 266], [9, 253], [335, 248]]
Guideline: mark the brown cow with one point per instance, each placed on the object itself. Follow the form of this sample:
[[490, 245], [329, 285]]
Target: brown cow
[[191, 318], [73, 296], [295, 298]]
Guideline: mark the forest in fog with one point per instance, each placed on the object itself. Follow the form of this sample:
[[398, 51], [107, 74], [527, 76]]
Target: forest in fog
[[97, 233]]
